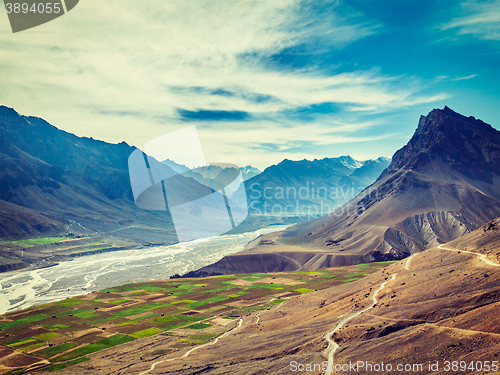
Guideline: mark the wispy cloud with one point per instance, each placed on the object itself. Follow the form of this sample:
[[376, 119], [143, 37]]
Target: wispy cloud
[[272, 142], [464, 78], [479, 18], [133, 70]]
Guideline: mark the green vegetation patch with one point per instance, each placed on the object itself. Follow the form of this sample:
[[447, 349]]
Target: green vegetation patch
[[304, 290], [115, 340], [26, 348], [22, 321], [239, 294], [102, 320], [188, 286], [207, 301], [61, 366], [47, 336], [57, 326], [189, 318], [353, 279], [355, 274], [91, 348], [69, 302], [149, 288], [279, 300], [121, 300], [146, 332], [20, 342], [52, 351], [146, 316], [172, 325], [200, 326], [84, 314], [165, 319], [141, 309], [182, 292], [40, 241], [184, 301], [127, 323]]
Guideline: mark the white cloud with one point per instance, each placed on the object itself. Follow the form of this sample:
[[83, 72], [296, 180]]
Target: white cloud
[[479, 18], [120, 70]]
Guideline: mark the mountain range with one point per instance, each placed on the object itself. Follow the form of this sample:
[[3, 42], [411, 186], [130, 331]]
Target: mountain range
[[311, 188], [442, 185], [202, 172], [53, 182]]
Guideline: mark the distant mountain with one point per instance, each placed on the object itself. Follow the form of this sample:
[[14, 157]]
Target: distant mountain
[[179, 168], [217, 177], [215, 169], [310, 187], [249, 172]]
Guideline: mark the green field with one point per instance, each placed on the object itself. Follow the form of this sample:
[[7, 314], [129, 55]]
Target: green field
[[39, 241], [182, 309]]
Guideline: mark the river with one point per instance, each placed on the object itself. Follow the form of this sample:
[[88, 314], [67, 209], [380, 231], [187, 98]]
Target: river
[[23, 289]]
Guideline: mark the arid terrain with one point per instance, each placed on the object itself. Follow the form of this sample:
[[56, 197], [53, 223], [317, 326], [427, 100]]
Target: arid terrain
[[436, 306], [162, 316]]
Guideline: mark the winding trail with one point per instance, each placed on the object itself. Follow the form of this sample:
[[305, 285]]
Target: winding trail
[[480, 256], [240, 322], [408, 260], [332, 345]]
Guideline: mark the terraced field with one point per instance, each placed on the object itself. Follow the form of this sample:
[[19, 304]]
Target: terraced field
[[192, 311]]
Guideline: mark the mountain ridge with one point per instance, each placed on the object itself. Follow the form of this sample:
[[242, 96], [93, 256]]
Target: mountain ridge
[[424, 198]]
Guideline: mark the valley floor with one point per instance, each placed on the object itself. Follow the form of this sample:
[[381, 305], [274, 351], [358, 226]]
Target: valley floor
[[437, 307]]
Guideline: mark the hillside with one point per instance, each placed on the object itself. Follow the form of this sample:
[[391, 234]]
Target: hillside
[[439, 305], [76, 179]]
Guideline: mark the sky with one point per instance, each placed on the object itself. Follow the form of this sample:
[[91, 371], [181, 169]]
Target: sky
[[261, 80]]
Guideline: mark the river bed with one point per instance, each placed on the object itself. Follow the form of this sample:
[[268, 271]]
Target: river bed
[[23, 289]]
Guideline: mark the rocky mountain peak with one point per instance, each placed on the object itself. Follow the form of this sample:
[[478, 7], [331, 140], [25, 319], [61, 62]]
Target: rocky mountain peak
[[465, 144]]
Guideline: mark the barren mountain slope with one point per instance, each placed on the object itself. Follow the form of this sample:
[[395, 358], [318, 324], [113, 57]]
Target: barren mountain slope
[[444, 183]]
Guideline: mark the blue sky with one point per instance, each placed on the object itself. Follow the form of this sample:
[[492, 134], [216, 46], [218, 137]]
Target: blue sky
[[261, 80]]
